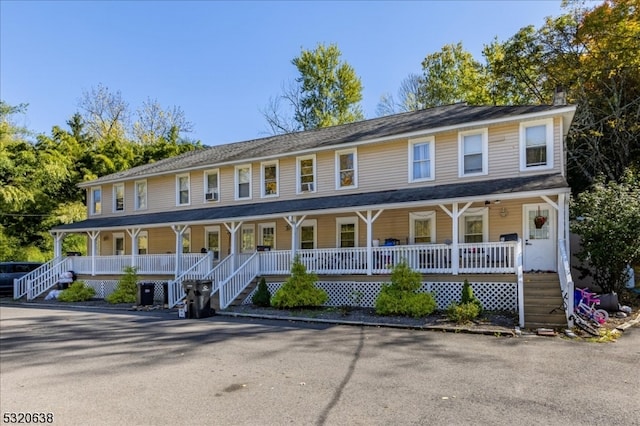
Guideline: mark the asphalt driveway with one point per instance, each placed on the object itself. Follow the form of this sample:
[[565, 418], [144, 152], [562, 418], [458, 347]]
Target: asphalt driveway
[[150, 368]]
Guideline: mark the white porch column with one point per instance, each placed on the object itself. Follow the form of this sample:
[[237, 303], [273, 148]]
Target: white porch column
[[94, 235], [133, 233], [455, 214], [294, 223], [58, 237], [233, 227], [179, 231], [369, 221]]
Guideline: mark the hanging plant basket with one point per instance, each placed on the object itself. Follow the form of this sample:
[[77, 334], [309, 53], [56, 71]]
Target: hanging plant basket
[[539, 220]]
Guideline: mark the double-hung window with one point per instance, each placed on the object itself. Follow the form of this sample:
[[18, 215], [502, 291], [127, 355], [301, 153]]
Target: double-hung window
[[473, 149], [536, 145], [269, 175], [118, 197], [267, 234], [308, 234], [96, 200], [212, 240], [346, 169], [247, 238], [186, 241], [306, 172], [474, 225], [211, 185], [243, 182], [347, 231], [141, 195], [182, 190], [422, 227], [421, 159], [143, 242]]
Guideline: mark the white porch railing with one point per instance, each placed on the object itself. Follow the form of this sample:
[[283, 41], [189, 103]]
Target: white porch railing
[[40, 280], [566, 281], [196, 272], [490, 258], [231, 288], [148, 264]]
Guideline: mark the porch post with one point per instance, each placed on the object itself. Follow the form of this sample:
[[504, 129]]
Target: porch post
[[233, 227], [455, 258], [94, 235], [369, 221], [58, 237], [133, 233], [294, 223], [179, 231]]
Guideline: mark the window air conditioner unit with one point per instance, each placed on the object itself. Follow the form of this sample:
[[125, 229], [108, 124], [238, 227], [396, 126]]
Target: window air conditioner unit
[[211, 196], [307, 187]]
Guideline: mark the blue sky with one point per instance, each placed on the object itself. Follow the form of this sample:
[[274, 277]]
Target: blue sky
[[220, 62]]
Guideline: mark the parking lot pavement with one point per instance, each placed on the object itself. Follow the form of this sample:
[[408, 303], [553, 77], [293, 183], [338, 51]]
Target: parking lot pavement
[[136, 368]]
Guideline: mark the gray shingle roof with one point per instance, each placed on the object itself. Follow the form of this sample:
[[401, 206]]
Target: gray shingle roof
[[494, 188], [273, 146]]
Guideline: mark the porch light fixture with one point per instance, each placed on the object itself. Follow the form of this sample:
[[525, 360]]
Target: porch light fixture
[[287, 227]]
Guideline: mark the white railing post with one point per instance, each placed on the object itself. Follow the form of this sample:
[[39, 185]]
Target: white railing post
[[520, 278]]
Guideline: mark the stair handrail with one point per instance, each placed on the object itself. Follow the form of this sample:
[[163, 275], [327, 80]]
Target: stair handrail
[[193, 273], [40, 279], [566, 281], [231, 287]]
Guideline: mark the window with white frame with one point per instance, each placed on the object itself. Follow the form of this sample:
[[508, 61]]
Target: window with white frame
[[474, 225], [247, 238], [143, 242], [308, 234], [306, 173], [269, 176], [347, 231], [182, 190], [536, 144], [212, 240], [346, 169], [96, 200], [141, 195], [422, 227], [243, 182], [267, 234], [186, 241], [421, 159], [118, 243], [473, 149], [118, 197], [211, 185]]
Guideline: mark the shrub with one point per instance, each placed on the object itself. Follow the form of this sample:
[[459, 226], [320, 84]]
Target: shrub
[[468, 297], [262, 296], [78, 291], [299, 289], [463, 313], [401, 296], [127, 288]]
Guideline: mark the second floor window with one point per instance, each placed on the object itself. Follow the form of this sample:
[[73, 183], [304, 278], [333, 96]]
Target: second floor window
[[118, 197], [346, 169], [182, 190], [421, 156], [211, 189], [536, 144], [473, 152], [269, 179], [306, 174], [96, 200], [141, 195], [243, 182]]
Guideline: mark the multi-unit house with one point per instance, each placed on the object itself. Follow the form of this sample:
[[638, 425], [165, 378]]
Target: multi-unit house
[[458, 192]]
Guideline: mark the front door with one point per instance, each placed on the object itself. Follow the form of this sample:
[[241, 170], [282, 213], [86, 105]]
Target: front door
[[539, 237]]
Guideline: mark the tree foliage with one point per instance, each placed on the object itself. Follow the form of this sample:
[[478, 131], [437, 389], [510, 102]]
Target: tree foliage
[[607, 218], [326, 93]]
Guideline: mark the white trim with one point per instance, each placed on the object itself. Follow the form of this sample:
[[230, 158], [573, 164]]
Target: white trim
[[236, 180], [429, 215], [214, 193], [299, 188], [178, 189], [353, 220], [484, 151], [136, 201], [548, 143], [92, 200], [115, 198], [338, 154], [263, 189], [431, 140]]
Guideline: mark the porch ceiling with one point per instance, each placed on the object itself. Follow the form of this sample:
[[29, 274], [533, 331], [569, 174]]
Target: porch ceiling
[[437, 194]]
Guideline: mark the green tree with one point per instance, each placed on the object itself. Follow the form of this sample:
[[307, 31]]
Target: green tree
[[607, 218], [327, 93]]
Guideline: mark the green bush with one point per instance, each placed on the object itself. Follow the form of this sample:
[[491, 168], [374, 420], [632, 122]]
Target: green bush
[[262, 296], [299, 290], [463, 313], [127, 288], [468, 297], [78, 291], [401, 296]]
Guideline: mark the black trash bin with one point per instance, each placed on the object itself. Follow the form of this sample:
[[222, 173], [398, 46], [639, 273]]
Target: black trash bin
[[146, 294], [198, 298]]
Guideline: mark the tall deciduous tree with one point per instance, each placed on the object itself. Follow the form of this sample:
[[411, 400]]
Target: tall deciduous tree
[[326, 93]]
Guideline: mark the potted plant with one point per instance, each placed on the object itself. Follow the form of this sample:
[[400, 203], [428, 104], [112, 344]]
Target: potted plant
[[539, 220]]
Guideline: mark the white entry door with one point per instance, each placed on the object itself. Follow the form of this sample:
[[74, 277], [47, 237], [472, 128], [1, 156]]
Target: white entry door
[[539, 237]]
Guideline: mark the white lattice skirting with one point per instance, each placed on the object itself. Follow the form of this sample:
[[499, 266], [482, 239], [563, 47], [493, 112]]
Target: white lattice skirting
[[494, 296]]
